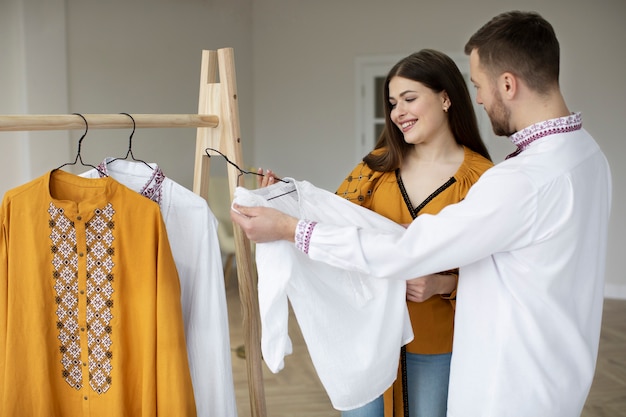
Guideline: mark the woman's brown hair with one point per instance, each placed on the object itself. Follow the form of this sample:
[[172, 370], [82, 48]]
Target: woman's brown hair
[[438, 72]]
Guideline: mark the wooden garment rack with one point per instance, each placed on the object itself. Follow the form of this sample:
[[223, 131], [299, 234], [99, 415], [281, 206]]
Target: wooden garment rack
[[217, 124]]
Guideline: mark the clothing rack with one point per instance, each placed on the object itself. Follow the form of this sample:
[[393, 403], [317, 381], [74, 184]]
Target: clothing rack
[[217, 124], [104, 121]]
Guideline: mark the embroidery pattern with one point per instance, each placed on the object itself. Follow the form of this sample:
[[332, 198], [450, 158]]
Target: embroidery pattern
[[526, 136], [350, 193], [99, 302], [154, 187], [99, 258], [65, 274], [304, 229]]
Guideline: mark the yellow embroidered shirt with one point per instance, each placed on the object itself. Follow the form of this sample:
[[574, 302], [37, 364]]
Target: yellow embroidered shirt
[[433, 319], [90, 314]]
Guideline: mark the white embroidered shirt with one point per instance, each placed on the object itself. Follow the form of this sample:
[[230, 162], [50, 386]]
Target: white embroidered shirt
[[192, 232], [354, 325]]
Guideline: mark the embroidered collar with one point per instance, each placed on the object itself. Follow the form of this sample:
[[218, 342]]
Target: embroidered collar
[[523, 138], [152, 188]]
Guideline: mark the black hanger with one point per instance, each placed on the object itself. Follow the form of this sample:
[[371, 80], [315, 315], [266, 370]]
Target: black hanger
[[130, 146], [241, 171], [78, 155]]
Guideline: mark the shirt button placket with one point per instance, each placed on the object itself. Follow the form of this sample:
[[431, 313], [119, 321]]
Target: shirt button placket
[[81, 247]]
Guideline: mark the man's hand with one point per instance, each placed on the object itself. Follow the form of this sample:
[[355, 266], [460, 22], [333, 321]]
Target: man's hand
[[264, 224]]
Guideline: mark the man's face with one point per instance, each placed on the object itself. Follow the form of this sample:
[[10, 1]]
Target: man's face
[[488, 95]]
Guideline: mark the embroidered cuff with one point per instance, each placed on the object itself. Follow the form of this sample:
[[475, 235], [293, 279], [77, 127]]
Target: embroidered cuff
[[304, 229]]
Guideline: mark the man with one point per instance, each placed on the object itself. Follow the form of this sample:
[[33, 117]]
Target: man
[[530, 238]]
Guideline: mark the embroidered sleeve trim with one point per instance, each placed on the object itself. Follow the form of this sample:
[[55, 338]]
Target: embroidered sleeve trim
[[304, 230]]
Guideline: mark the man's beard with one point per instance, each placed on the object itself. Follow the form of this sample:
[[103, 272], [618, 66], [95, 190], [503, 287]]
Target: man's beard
[[500, 117]]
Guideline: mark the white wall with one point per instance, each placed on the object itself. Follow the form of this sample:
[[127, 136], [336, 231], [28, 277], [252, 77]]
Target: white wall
[[295, 72], [144, 57], [88, 56], [33, 79], [304, 68]]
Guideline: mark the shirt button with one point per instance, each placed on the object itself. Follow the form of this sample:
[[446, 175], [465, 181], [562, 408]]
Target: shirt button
[[80, 254], [85, 397], [79, 217]]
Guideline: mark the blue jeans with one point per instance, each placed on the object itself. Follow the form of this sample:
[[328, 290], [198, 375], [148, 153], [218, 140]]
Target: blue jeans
[[375, 408], [427, 380]]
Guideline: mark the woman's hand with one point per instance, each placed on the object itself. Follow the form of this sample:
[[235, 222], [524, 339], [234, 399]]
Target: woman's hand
[[265, 179], [421, 289], [264, 224]]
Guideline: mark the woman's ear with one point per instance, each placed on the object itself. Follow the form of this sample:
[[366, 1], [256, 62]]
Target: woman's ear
[[445, 102]]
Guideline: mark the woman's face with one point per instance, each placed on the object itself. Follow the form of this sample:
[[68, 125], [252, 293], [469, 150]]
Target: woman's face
[[417, 110]]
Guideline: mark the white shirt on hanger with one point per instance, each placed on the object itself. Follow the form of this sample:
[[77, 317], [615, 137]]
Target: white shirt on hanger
[[353, 325], [192, 233]]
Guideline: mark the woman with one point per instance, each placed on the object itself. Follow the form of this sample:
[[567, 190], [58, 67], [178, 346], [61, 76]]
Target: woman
[[428, 156]]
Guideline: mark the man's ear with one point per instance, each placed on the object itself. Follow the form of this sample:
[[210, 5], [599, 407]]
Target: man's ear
[[507, 84]]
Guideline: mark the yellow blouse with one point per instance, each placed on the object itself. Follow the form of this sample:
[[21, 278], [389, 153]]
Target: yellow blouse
[[90, 314], [432, 320]]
